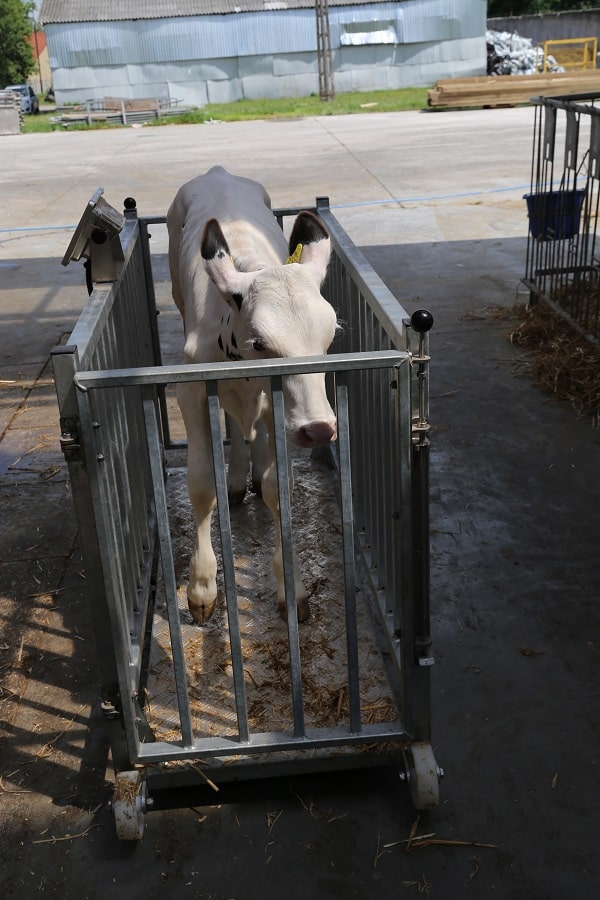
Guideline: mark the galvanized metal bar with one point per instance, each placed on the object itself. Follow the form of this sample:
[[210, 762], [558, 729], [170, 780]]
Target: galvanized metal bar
[[348, 548], [158, 375], [149, 291], [421, 659], [402, 516], [549, 133], [287, 552], [108, 456], [268, 742], [168, 565], [140, 486], [571, 157], [235, 639], [91, 323], [115, 595], [116, 428], [385, 306], [595, 147], [145, 238], [393, 588]]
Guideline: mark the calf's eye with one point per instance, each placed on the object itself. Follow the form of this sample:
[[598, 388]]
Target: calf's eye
[[258, 345]]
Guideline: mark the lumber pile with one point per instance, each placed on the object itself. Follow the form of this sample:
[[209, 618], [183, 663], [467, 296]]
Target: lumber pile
[[510, 90]]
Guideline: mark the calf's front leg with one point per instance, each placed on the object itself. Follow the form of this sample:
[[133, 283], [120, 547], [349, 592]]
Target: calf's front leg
[[241, 457], [202, 584]]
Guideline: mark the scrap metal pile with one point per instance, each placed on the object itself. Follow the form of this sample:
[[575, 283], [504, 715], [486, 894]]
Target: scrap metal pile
[[510, 54]]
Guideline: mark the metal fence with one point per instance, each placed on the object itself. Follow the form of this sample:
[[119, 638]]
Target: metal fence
[[562, 263], [111, 382]]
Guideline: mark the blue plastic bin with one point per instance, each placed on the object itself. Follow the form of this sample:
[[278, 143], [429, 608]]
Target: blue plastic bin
[[554, 215]]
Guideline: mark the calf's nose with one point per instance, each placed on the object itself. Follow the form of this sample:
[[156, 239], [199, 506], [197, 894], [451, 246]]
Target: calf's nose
[[315, 434]]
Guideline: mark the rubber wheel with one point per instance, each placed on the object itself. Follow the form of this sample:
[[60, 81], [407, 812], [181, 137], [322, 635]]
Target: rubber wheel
[[129, 805], [423, 777]]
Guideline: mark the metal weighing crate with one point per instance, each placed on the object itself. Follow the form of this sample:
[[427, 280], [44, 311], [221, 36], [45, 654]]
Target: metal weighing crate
[[116, 436]]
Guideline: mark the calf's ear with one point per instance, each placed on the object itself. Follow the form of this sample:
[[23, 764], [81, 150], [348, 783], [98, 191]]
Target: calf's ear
[[219, 264], [310, 232]]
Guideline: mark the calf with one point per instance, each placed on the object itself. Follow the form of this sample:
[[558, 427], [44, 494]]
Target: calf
[[240, 299]]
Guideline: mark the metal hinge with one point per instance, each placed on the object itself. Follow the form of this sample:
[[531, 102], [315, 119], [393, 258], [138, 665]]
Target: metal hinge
[[423, 655], [69, 438]]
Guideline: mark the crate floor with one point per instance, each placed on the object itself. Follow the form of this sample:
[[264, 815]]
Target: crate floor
[[317, 539]]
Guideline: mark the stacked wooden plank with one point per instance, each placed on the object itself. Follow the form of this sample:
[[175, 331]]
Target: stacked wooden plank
[[510, 90]]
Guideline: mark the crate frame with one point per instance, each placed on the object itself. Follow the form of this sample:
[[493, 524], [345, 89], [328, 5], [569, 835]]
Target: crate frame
[[111, 372]]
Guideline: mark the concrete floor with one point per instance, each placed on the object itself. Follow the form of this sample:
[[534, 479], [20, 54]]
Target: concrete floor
[[435, 202]]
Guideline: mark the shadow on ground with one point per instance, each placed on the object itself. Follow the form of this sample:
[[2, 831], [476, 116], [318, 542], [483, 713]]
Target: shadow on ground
[[515, 515]]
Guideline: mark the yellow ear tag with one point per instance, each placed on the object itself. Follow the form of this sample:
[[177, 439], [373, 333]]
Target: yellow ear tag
[[295, 257]]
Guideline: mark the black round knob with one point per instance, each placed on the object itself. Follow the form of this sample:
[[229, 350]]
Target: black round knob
[[129, 203], [421, 320], [98, 236]]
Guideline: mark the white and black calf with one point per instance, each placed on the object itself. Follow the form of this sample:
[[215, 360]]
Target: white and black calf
[[242, 298]]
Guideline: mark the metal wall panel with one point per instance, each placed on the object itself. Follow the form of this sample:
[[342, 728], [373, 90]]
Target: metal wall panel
[[250, 34], [178, 40], [440, 20], [293, 75], [265, 54]]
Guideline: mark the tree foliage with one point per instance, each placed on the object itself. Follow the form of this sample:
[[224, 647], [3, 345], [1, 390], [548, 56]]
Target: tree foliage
[[532, 7], [16, 54]]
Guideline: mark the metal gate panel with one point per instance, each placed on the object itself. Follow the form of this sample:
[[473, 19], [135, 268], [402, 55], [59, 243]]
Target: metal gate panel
[[562, 266], [373, 320], [115, 433], [116, 388], [117, 327]]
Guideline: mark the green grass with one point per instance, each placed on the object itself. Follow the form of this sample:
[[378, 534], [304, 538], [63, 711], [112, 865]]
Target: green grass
[[287, 108], [343, 104]]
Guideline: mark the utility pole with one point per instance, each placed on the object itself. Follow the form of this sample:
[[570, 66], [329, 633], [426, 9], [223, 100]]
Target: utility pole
[[326, 88], [35, 27]]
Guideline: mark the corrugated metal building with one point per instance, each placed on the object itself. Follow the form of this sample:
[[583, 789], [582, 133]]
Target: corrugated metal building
[[213, 51]]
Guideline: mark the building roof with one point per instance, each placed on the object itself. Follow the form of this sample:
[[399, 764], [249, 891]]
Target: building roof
[[62, 11]]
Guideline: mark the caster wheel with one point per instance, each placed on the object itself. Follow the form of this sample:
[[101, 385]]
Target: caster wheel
[[129, 805], [423, 776]]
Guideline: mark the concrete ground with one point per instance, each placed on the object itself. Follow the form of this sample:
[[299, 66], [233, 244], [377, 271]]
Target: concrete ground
[[435, 202]]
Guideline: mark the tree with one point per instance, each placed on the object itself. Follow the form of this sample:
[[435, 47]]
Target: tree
[[16, 54], [531, 7]]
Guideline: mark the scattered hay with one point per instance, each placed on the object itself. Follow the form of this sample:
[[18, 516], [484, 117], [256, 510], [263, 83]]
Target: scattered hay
[[580, 300], [562, 361]]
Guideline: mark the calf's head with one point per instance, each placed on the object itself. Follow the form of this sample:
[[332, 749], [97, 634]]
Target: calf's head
[[279, 312]]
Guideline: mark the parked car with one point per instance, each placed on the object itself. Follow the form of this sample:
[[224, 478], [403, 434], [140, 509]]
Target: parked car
[[29, 101]]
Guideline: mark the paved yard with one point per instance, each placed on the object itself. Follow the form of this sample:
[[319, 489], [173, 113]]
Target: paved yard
[[435, 202]]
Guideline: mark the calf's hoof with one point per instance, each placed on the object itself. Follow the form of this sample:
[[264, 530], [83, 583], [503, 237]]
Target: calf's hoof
[[303, 609], [201, 610], [236, 496]]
